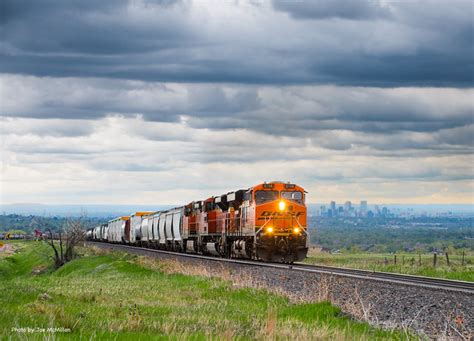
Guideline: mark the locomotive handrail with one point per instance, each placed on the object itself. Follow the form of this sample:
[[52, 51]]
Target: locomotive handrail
[[301, 226]]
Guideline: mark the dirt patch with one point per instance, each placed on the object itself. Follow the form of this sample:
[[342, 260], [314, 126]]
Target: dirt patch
[[39, 270], [6, 250]]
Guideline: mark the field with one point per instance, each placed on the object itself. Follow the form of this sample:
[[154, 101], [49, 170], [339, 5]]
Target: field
[[115, 295], [407, 263]]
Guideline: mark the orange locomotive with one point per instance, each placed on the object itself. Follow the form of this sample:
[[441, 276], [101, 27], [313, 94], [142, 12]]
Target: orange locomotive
[[266, 222]]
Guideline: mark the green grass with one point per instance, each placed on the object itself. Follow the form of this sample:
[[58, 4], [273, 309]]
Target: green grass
[[407, 263], [103, 296]]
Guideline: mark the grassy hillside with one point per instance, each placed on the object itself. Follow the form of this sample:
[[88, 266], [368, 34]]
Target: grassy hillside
[[118, 295], [407, 263]]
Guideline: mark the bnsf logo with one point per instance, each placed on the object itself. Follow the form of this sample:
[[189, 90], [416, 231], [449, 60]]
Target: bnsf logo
[[270, 214]]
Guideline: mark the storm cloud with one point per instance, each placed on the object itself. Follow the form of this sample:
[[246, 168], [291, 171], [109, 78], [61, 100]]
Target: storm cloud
[[142, 101], [323, 9], [389, 44], [277, 110]]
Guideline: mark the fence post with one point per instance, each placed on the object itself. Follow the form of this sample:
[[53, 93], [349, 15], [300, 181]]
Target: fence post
[[419, 259], [394, 259], [462, 262], [447, 258], [403, 260], [434, 259]]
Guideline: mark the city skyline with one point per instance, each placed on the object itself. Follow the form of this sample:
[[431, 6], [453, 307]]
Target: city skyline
[[350, 209], [168, 101]]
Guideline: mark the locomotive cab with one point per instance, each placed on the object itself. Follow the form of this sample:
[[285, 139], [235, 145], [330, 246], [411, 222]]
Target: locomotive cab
[[280, 222]]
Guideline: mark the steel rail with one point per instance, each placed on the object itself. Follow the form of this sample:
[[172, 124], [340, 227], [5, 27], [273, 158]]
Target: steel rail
[[420, 281]]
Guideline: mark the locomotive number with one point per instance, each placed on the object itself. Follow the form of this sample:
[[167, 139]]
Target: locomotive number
[[270, 214]]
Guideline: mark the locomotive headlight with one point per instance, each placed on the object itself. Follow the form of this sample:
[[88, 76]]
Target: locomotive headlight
[[296, 230], [269, 229], [281, 205]]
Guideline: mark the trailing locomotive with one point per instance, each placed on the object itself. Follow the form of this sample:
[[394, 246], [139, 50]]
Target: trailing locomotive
[[265, 222]]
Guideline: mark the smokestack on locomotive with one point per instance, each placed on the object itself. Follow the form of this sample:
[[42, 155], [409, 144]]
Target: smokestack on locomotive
[[266, 222]]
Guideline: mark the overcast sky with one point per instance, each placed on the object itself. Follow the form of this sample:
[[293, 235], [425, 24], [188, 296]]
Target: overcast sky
[[164, 102]]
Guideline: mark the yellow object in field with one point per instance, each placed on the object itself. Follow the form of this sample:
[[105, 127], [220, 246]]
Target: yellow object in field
[[1, 244]]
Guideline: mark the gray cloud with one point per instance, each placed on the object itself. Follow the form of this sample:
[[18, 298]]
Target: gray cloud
[[124, 164], [51, 127], [171, 41], [323, 9], [275, 110], [148, 100], [297, 111], [87, 27], [214, 101]]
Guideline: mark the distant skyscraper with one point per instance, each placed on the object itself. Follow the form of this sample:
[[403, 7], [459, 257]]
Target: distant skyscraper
[[363, 208], [333, 209], [347, 208], [377, 210]]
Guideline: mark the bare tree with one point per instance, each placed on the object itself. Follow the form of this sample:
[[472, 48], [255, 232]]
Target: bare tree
[[63, 243]]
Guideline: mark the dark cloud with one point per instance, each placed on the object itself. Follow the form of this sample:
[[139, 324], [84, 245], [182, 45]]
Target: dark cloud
[[423, 69], [134, 97], [108, 28], [301, 111], [213, 101], [323, 9], [462, 136], [275, 110], [176, 41]]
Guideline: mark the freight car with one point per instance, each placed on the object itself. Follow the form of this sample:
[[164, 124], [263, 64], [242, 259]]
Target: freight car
[[265, 222]]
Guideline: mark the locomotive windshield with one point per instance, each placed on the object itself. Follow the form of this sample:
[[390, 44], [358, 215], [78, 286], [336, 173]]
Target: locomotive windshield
[[293, 195], [262, 197]]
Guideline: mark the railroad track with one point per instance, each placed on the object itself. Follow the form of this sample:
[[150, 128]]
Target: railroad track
[[441, 283], [420, 281]]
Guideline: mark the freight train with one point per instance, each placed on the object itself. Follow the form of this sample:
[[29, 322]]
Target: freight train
[[265, 222]]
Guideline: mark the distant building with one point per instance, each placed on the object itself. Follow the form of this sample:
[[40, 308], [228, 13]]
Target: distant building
[[363, 208], [347, 208], [333, 209]]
